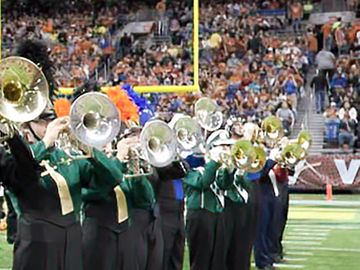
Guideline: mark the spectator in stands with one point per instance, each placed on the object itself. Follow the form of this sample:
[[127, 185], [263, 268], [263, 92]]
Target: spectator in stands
[[330, 114], [346, 133], [125, 44], [312, 44], [319, 85], [326, 63], [339, 80], [287, 117], [340, 39], [290, 88], [296, 15], [347, 109], [255, 44], [161, 6]]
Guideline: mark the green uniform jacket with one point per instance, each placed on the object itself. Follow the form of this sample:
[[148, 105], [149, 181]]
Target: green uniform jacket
[[138, 191], [199, 194], [77, 174], [229, 186]]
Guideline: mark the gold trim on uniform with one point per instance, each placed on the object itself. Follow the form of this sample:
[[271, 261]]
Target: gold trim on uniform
[[121, 204], [66, 202]]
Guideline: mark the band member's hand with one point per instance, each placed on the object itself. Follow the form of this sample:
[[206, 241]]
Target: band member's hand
[[54, 129], [124, 145]]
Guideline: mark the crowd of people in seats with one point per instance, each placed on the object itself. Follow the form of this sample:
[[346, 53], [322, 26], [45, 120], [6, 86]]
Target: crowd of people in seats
[[248, 70], [336, 84], [243, 65], [78, 40]]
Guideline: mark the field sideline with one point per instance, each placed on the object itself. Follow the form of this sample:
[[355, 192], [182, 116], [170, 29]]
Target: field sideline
[[318, 237]]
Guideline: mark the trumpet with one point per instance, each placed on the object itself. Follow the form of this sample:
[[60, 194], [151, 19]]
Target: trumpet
[[24, 94]]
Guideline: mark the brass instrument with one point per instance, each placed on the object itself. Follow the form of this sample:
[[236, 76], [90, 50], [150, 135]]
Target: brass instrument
[[94, 122], [243, 154], [304, 139], [188, 134], [24, 94], [94, 119], [272, 131], [292, 154], [157, 148], [251, 132], [158, 143], [259, 161], [136, 164], [208, 114]]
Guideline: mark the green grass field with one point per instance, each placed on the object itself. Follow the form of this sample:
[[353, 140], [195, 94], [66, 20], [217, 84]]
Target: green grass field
[[318, 237]]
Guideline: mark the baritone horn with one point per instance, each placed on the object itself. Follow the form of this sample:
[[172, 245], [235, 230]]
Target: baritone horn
[[304, 139], [272, 130], [208, 114], [243, 154], [188, 134], [259, 162], [158, 143], [292, 154], [94, 120], [24, 93]]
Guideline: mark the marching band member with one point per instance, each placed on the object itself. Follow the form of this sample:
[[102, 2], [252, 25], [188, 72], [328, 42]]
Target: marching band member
[[281, 212], [205, 226], [236, 197], [49, 232], [112, 237], [268, 196], [168, 184], [36, 51], [243, 207], [170, 196], [18, 169], [11, 219]]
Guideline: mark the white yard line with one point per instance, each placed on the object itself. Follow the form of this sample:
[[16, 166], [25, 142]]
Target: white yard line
[[285, 265], [290, 259], [307, 234], [296, 266], [299, 253], [304, 238], [329, 227], [324, 203], [311, 230], [292, 248], [306, 243]]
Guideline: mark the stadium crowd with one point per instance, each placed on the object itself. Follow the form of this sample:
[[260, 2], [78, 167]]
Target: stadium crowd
[[249, 70], [338, 82], [77, 41]]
